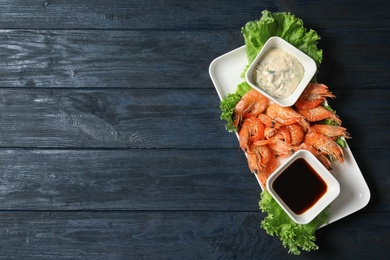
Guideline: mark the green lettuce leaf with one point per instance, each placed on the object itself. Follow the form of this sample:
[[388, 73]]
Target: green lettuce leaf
[[284, 25], [340, 140], [293, 236], [227, 105]]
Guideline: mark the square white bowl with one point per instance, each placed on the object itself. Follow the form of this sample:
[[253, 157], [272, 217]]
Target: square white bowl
[[331, 193], [308, 64]]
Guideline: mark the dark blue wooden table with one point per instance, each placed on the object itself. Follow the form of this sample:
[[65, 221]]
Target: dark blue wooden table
[[111, 146]]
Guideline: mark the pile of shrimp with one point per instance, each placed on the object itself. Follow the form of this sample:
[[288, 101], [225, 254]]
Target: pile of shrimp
[[268, 131]]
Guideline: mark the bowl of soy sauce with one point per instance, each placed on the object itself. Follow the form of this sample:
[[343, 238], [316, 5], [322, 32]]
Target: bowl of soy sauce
[[303, 187]]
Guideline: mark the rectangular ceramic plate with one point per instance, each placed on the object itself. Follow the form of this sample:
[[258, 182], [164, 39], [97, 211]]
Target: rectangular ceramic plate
[[225, 72]]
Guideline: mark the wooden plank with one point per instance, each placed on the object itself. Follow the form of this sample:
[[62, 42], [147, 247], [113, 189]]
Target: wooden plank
[[110, 59], [148, 179], [338, 14], [127, 14], [126, 179], [176, 235], [112, 118], [150, 118], [220, 14], [354, 59], [166, 59], [354, 106]]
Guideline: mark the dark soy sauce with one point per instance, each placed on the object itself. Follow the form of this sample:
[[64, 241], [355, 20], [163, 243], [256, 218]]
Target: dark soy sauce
[[299, 186]]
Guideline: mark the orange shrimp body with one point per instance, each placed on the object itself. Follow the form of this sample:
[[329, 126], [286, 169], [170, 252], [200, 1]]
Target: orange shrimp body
[[283, 141], [268, 121], [285, 134], [251, 103], [317, 90], [270, 126], [281, 148], [252, 129], [261, 161], [296, 133], [325, 145], [269, 169], [307, 104], [320, 156], [313, 95], [258, 157], [286, 115], [269, 132], [330, 130], [318, 113]]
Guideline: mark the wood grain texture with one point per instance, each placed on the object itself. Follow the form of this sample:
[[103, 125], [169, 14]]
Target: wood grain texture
[[183, 15], [168, 235], [143, 179], [112, 119], [122, 14], [110, 59]]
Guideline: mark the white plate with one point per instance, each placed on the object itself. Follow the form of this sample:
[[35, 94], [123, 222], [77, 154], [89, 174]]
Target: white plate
[[225, 72]]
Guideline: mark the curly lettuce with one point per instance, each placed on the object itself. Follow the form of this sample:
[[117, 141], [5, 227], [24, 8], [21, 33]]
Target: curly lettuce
[[227, 105], [295, 237], [340, 140], [284, 25]]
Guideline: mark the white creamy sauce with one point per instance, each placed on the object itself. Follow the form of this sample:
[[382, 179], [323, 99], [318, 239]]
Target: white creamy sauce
[[278, 73]]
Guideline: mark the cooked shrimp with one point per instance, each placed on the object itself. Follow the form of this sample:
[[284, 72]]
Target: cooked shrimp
[[262, 177], [325, 145], [286, 115], [315, 90], [285, 135], [296, 133], [272, 164], [269, 169], [252, 129], [270, 126], [280, 142], [261, 161], [330, 130], [282, 135], [270, 132], [268, 121], [264, 154], [313, 95], [318, 113], [258, 157], [253, 162], [280, 147], [251, 103], [320, 156]]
